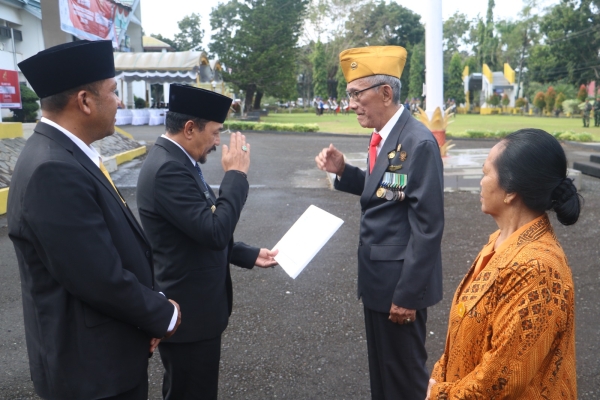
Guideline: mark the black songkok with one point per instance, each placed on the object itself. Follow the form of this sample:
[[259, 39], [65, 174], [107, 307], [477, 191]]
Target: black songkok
[[198, 103], [67, 66]]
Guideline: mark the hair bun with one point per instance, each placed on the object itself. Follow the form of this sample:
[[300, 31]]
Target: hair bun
[[566, 202], [564, 191]]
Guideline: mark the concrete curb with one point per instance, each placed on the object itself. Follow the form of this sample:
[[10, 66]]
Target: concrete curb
[[3, 200], [11, 130], [111, 164], [122, 132]]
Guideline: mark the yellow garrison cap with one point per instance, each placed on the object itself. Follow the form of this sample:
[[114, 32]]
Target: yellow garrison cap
[[373, 60]]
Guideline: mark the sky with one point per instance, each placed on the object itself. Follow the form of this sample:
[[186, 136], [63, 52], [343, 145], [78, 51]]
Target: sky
[[161, 16]]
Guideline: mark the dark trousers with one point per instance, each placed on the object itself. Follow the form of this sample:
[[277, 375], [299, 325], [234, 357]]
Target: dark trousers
[[140, 392], [397, 357], [191, 369]]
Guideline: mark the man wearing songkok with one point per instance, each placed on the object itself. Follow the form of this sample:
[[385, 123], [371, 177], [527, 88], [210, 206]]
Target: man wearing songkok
[[91, 309], [191, 231], [402, 220]]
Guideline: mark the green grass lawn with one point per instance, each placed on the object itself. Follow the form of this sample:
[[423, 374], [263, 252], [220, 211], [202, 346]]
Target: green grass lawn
[[461, 123]]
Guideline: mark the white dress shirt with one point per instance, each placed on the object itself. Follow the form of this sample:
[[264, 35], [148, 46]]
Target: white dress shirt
[[387, 128], [95, 157], [194, 162], [88, 150]]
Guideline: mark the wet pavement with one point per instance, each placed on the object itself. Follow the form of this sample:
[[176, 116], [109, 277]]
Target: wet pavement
[[304, 338]]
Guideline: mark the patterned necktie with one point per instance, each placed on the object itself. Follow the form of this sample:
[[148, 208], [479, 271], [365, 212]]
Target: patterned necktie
[[107, 175], [206, 190], [375, 140]]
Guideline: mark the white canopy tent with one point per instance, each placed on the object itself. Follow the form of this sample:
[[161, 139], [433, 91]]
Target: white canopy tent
[[191, 67]]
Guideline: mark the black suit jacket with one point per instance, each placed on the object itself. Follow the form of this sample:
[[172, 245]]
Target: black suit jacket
[[192, 245], [86, 274], [399, 256]]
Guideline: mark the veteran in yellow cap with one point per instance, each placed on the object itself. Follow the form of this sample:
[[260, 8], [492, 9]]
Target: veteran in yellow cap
[[401, 198]]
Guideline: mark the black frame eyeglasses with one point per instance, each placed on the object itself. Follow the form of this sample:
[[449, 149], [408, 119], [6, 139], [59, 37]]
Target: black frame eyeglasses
[[354, 95]]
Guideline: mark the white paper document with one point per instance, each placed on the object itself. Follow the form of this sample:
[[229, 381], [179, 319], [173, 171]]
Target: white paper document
[[305, 238]]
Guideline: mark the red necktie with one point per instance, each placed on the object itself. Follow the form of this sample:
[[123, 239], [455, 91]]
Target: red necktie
[[375, 140]]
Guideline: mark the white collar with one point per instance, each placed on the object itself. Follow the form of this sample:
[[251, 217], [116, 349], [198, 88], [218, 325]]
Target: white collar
[[88, 150], [387, 128], [194, 162]]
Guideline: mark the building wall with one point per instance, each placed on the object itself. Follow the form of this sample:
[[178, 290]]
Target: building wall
[[53, 35], [33, 40], [31, 30], [134, 31]]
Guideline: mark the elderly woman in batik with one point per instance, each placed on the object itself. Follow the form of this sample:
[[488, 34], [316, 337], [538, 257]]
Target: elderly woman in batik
[[511, 332]]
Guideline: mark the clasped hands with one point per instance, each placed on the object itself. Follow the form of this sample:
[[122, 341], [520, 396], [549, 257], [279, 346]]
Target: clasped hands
[[155, 341], [401, 316]]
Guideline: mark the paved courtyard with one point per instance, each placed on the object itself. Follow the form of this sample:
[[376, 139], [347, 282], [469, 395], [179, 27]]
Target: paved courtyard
[[304, 338]]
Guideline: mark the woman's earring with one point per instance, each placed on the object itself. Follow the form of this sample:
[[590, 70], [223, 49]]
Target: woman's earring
[[505, 201]]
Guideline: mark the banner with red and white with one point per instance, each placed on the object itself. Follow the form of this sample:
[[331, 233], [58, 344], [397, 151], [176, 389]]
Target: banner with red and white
[[10, 92], [94, 19]]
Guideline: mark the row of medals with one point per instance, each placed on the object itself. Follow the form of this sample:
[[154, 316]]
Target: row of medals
[[392, 193]]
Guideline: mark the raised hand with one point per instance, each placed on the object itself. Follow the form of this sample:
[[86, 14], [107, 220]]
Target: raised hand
[[236, 156], [331, 160]]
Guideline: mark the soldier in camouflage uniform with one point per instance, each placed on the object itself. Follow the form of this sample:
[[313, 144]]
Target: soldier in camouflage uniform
[[597, 112]]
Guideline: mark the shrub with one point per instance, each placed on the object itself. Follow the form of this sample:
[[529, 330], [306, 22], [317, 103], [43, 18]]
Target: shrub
[[573, 137], [477, 134], [493, 100], [269, 126], [505, 100], [520, 102], [550, 99], [539, 101], [560, 98], [139, 102], [30, 106], [571, 106], [473, 134]]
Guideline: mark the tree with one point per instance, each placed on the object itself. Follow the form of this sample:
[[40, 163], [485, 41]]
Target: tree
[[257, 41], [319, 71], [189, 37], [490, 43], [550, 99], [341, 84], [417, 71], [505, 100], [168, 41], [455, 29], [471, 62], [381, 23], [582, 94], [572, 40], [559, 100], [455, 88], [539, 101], [520, 102], [29, 105], [455, 36], [493, 100]]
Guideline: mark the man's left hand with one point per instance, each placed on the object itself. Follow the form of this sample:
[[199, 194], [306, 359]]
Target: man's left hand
[[154, 344], [265, 258], [401, 315]]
